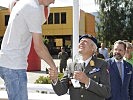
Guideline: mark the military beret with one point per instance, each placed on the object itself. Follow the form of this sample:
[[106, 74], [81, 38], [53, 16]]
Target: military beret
[[89, 37]]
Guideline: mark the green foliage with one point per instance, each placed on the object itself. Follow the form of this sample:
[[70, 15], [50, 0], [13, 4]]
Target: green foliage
[[45, 41], [60, 75], [46, 80], [115, 18], [43, 80]]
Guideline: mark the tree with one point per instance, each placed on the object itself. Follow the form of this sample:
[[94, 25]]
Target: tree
[[116, 20]]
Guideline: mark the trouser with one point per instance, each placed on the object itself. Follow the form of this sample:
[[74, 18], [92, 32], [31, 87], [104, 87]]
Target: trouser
[[15, 82], [62, 69]]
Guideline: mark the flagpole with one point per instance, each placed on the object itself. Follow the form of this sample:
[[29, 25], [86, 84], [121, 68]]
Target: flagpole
[[75, 28]]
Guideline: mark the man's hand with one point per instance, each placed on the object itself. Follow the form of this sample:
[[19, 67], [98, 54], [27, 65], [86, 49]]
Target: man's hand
[[53, 73], [81, 76]]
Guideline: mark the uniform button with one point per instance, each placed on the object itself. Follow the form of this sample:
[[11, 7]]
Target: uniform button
[[82, 96], [82, 87]]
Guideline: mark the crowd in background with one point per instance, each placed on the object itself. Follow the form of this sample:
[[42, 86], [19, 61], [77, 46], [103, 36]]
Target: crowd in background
[[96, 63], [102, 52]]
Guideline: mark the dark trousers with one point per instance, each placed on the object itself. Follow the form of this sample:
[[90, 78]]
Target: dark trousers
[[62, 69]]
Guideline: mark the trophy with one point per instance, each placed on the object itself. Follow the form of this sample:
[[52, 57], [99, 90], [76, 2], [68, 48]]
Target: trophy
[[77, 67]]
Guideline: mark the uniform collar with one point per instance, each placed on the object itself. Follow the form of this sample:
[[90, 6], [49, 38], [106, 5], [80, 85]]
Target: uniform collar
[[86, 61]]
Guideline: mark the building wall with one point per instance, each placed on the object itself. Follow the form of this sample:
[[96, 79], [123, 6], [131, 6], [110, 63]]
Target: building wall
[[2, 21], [86, 24], [82, 22], [90, 24], [60, 29]]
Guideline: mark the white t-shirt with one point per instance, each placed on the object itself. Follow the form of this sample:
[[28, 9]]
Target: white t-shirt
[[26, 17]]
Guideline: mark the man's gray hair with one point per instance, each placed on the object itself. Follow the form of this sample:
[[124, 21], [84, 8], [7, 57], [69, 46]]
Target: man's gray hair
[[95, 46]]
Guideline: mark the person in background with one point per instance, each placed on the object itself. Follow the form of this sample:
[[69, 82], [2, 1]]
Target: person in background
[[87, 78], [111, 52], [104, 51], [99, 55], [25, 24], [129, 53], [121, 74], [63, 56]]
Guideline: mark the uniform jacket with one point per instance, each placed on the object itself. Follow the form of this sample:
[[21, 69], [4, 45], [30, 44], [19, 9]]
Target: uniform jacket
[[119, 90], [99, 88]]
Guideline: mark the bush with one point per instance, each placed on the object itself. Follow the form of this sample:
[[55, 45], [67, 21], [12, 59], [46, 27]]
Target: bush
[[60, 75], [43, 80], [46, 80]]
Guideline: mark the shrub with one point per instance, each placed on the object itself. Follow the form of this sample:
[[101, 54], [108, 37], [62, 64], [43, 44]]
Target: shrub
[[46, 79], [43, 80]]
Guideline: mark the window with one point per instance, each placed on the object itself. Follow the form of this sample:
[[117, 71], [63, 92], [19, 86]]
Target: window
[[56, 18], [50, 18], [6, 19], [63, 18]]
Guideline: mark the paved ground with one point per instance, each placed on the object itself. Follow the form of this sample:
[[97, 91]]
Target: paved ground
[[32, 76]]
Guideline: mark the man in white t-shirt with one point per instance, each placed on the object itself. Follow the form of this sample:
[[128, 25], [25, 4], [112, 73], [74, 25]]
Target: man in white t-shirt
[[25, 23]]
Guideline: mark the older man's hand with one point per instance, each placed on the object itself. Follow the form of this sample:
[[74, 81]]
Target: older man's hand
[[81, 76]]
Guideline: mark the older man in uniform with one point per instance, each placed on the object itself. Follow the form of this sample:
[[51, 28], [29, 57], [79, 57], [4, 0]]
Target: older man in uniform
[[86, 79]]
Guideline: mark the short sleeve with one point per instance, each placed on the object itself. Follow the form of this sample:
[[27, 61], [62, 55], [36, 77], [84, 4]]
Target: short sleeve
[[33, 18]]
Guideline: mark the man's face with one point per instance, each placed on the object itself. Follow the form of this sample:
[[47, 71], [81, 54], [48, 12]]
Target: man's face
[[85, 46], [102, 45], [128, 49], [118, 51]]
